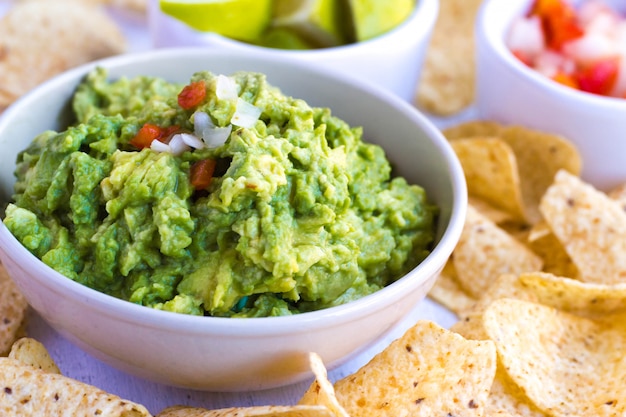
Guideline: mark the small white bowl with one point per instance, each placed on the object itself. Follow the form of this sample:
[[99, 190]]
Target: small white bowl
[[508, 91], [228, 354], [392, 60]]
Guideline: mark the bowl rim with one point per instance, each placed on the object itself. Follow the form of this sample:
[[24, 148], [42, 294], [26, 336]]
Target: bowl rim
[[492, 24], [416, 26], [149, 317]]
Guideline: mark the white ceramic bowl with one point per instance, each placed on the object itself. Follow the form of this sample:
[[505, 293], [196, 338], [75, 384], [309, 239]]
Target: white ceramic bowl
[[392, 60], [510, 92], [227, 354]]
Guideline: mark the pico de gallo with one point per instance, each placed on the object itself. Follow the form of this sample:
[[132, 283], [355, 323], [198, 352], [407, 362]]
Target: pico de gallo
[[581, 47]]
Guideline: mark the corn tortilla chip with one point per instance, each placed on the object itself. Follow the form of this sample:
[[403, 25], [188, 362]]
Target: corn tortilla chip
[[556, 261], [32, 352], [447, 82], [321, 391], [484, 252], [567, 365], [81, 33], [539, 157], [13, 308], [472, 129], [428, 371], [255, 411], [491, 173], [590, 226], [448, 292], [27, 391]]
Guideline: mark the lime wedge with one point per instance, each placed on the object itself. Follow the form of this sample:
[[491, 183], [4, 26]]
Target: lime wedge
[[283, 38], [245, 20], [319, 22], [372, 18]]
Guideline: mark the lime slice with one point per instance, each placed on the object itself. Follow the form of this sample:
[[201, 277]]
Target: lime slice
[[372, 18], [245, 20], [283, 38], [319, 22]]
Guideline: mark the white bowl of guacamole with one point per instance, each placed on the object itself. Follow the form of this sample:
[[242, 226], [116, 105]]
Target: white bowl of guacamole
[[203, 219]]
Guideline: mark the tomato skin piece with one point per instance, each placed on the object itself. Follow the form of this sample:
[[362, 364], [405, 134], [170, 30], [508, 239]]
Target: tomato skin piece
[[201, 173], [559, 21], [566, 79], [192, 95], [599, 77], [150, 132]]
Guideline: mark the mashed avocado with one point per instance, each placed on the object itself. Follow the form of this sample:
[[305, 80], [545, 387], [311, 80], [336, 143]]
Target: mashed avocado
[[298, 213]]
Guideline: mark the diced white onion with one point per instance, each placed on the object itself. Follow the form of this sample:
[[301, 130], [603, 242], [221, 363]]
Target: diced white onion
[[192, 140], [216, 136], [158, 146], [526, 36], [590, 47], [246, 114], [201, 121], [178, 145], [225, 88]]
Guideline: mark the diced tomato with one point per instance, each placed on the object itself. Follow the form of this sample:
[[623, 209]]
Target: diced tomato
[[192, 95], [526, 60], [201, 173], [599, 77], [150, 132], [559, 21], [565, 79], [145, 136]]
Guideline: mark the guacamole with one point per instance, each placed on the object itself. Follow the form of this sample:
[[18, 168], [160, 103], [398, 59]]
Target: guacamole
[[265, 206]]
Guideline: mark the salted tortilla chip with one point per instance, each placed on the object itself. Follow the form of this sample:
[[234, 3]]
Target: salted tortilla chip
[[428, 371], [555, 259], [484, 252], [491, 173], [27, 391], [585, 299], [472, 129], [447, 81], [567, 365], [13, 308], [619, 194], [448, 292], [32, 352], [493, 213], [590, 226], [80, 33], [321, 391], [300, 410], [539, 157]]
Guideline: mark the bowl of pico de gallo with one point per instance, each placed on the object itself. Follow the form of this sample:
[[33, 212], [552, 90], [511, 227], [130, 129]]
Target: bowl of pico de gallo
[[558, 66]]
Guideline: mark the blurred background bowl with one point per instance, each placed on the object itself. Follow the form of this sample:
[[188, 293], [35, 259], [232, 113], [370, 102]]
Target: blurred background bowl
[[228, 354], [392, 60], [510, 92]]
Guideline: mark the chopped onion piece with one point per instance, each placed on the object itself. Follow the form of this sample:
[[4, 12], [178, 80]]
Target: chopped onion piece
[[192, 140], [158, 146], [178, 145], [201, 121], [225, 88], [246, 114], [216, 136]]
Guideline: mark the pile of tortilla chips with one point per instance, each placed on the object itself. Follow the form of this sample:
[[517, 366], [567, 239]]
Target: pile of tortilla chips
[[42, 38], [538, 281]]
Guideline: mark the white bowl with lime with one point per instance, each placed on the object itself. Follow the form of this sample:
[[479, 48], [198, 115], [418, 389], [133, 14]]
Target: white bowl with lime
[[383, 43]]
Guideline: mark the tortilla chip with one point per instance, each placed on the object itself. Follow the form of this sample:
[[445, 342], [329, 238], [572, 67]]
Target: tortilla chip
[[555, 260], [448, 292], [81, 33], [484, 252], [321, 391], [13, 308], [255, 411], [590, 226], [27, 391], [428, 371], [32, 352], [567, 365], [447, 81], [472, 129], [619, 194], [581, 298], [491, 173], [539, 157], [495, 214]]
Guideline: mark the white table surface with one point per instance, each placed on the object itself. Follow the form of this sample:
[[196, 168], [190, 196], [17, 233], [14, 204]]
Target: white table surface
[[77, 364]]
